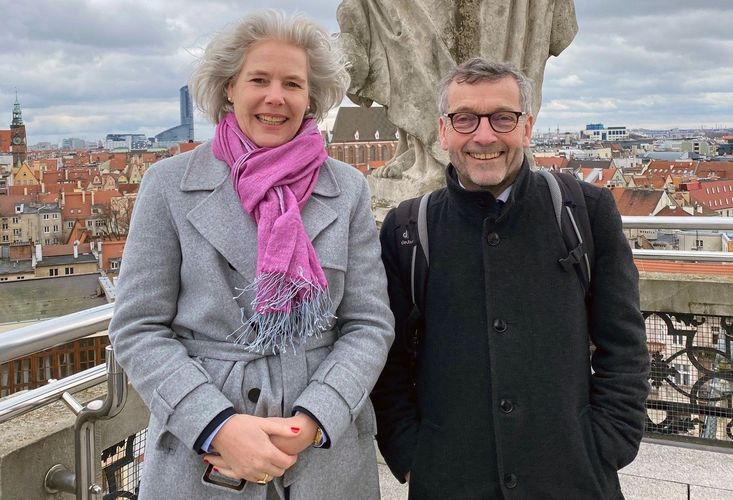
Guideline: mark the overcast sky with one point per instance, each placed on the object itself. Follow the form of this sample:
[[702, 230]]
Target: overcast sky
[[85, 68]]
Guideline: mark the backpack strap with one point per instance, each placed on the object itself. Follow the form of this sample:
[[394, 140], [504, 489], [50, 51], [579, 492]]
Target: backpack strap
[[412, 244], [571, 214]]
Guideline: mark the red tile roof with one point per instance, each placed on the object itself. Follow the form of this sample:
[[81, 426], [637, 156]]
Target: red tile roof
[[663, 167], [719, 169], [716, 195], [551, 162], [636, 201]]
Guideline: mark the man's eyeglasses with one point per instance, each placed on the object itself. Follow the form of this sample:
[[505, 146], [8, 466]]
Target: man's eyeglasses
[[500, 121]]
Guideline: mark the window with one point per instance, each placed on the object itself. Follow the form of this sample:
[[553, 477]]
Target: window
[[678, 339], [54, 271], [55, 216], [16, 232], [46, 229], [68, 270], [46, 216], [66, 363], [20, 277], [55, 228], [698, 244], [89, 223], [5, 238], [70, 225], [114, 264], [45, 368], [16, 220], [22, 373], [683, 375], [5, 225]]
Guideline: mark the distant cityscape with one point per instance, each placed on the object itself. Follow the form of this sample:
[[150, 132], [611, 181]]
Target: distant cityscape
[[65, 211]]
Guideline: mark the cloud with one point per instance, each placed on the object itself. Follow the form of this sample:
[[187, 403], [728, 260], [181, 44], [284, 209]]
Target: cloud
[[569, 81], [85, 68], [655, 60]]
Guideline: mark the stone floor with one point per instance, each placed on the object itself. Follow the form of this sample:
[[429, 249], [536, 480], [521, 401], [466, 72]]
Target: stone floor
[[660, 472]]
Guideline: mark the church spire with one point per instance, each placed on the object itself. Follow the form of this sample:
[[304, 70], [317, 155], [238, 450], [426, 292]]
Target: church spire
[[17, 113]]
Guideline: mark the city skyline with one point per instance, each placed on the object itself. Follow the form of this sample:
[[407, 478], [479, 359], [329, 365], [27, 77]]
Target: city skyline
[[84, 69]]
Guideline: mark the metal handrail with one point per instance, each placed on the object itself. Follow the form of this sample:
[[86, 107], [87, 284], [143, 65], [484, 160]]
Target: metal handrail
[[30, 339], [670, 222], [22, 403], [82, 480], [43, 335]]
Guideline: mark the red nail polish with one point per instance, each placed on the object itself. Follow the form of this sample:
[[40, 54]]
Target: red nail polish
[[206, 461], [216, 469], [295, 429]]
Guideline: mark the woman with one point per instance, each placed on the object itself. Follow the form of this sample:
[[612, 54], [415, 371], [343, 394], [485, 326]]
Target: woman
[[251, 312]]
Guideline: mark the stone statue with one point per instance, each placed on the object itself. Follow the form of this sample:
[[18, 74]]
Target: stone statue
[[400, 49]]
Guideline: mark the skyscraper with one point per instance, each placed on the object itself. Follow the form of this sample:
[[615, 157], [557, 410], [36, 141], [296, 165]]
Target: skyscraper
[[184, 131], [186, 110]]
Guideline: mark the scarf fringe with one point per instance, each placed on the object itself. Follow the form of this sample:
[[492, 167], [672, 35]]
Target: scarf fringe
[[286, 309]]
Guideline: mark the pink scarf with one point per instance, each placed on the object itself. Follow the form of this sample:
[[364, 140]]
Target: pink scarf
[[273, 184]]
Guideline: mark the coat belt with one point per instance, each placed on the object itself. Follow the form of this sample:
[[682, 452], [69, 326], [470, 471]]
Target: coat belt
[[227, 351]]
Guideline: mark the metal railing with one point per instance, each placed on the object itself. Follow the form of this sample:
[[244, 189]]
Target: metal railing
[[693, 222], [34, 338], [82, 480], [31, 339]]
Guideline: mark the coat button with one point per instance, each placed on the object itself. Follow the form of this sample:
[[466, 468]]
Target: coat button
[[500, 326], [253, 395], [506, 406], [510, 480], [493, 239]]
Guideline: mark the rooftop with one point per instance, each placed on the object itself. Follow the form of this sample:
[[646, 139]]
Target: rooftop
[[48, 297]]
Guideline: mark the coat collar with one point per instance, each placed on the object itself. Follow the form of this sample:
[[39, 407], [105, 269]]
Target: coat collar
[[205, 173], [222, 221], [480, 204]]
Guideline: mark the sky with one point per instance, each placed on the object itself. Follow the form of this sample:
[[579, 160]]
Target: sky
[[85, 68]]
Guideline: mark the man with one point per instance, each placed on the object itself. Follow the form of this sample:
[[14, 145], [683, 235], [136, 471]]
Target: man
[[502, 402]]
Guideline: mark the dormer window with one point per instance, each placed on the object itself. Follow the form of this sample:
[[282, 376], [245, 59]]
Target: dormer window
[[376, 135], [356, 135]]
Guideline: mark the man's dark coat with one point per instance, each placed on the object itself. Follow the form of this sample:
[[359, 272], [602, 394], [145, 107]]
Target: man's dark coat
[[504, 404]]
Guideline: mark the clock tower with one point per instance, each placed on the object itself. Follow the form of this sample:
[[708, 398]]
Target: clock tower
[[18, 146]]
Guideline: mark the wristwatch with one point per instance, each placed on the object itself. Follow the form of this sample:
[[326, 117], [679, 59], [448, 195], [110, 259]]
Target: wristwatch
[[318, 438]]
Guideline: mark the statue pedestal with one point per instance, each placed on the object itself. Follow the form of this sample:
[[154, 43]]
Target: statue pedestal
[[388, 193]]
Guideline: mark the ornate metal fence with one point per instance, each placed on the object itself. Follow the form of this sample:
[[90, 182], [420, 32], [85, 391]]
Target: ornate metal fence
[[691, 378], [121, 467]]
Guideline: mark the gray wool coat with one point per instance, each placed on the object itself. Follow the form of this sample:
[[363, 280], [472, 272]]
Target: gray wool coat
[[190, 250]]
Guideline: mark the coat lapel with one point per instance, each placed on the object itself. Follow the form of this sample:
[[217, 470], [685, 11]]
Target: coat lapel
[[222, 221], [316, 214]]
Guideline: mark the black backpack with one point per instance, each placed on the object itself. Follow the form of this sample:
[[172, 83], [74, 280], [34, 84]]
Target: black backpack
[[571, 214]]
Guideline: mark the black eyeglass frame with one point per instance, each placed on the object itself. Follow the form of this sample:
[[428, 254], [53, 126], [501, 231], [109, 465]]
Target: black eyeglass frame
[[518, 114]]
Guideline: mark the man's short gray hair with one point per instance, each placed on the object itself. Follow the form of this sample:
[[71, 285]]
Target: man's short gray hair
[[224, 56], [477, 70]]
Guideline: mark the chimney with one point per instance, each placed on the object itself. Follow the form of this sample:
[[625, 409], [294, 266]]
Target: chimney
[[39, 252], [76, 249]]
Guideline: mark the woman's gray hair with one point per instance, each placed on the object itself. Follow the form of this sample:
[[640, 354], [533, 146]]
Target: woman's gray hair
[[224, 56], [477, 70]]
